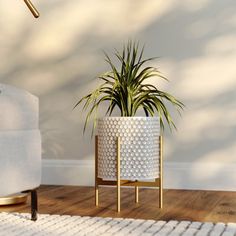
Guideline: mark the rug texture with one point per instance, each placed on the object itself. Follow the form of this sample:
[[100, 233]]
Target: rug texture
[[15, 224]]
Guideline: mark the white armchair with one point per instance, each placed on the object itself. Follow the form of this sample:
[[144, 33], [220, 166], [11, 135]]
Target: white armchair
[[20, 144]]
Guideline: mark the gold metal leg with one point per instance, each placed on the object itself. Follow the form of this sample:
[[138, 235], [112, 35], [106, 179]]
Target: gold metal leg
[[96, 194], [118, 173], [161, 172], [96, 170], [136, 194], [32, 8]]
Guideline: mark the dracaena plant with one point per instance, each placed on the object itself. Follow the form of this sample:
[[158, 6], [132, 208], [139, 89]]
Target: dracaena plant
[[126, 87]]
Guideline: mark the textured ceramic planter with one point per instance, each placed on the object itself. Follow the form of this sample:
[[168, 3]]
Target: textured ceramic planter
[[139, 147]]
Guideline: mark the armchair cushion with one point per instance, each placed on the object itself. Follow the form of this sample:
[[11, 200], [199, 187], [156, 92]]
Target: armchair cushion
[[20, 161], [19, 109]]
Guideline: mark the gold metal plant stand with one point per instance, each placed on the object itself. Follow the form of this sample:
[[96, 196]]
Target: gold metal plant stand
[[157, 183]]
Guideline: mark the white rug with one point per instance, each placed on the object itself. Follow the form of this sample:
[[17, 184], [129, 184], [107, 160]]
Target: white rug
[[15, 224]]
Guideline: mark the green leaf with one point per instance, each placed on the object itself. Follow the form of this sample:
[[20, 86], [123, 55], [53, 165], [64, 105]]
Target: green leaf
[[125, 87]]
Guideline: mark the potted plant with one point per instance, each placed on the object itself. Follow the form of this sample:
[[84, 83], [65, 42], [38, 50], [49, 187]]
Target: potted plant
[[126, 87]]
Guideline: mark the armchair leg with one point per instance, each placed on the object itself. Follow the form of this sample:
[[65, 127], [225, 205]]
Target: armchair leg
[[34, 205]]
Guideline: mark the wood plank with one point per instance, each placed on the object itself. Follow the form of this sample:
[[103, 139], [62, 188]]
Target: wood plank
[[190, 205]]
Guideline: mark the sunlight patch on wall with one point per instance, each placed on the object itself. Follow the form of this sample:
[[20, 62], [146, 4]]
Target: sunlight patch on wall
[[133, 17], [224, 155], [206, 123], [48, 78], [203, 77], [15, 13], [212, 73], [116, 19]]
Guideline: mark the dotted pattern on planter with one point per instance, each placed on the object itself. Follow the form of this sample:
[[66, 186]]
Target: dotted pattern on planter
[[139, 147]]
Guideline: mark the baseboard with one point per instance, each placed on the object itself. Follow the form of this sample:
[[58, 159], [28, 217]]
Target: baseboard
[[177, 175], [68, 172]]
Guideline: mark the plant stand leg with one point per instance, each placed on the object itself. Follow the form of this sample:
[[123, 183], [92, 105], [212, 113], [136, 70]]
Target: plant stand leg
[[136, 194], [161, 172], [118, 173], [96, 192], [96, 170], [34, 205]]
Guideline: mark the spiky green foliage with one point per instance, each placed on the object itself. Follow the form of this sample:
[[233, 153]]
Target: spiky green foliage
[[127, 88]]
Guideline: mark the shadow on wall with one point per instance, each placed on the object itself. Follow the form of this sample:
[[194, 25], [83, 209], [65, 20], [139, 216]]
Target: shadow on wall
[[58, 56], [201, 52]]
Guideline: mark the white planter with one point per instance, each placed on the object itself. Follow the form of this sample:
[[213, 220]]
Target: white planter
[[139, 147]]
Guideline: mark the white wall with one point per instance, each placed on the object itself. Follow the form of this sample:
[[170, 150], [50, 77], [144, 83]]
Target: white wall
[[58, 55]]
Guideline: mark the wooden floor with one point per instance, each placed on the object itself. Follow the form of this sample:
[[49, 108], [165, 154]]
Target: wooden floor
[[178, 204]]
